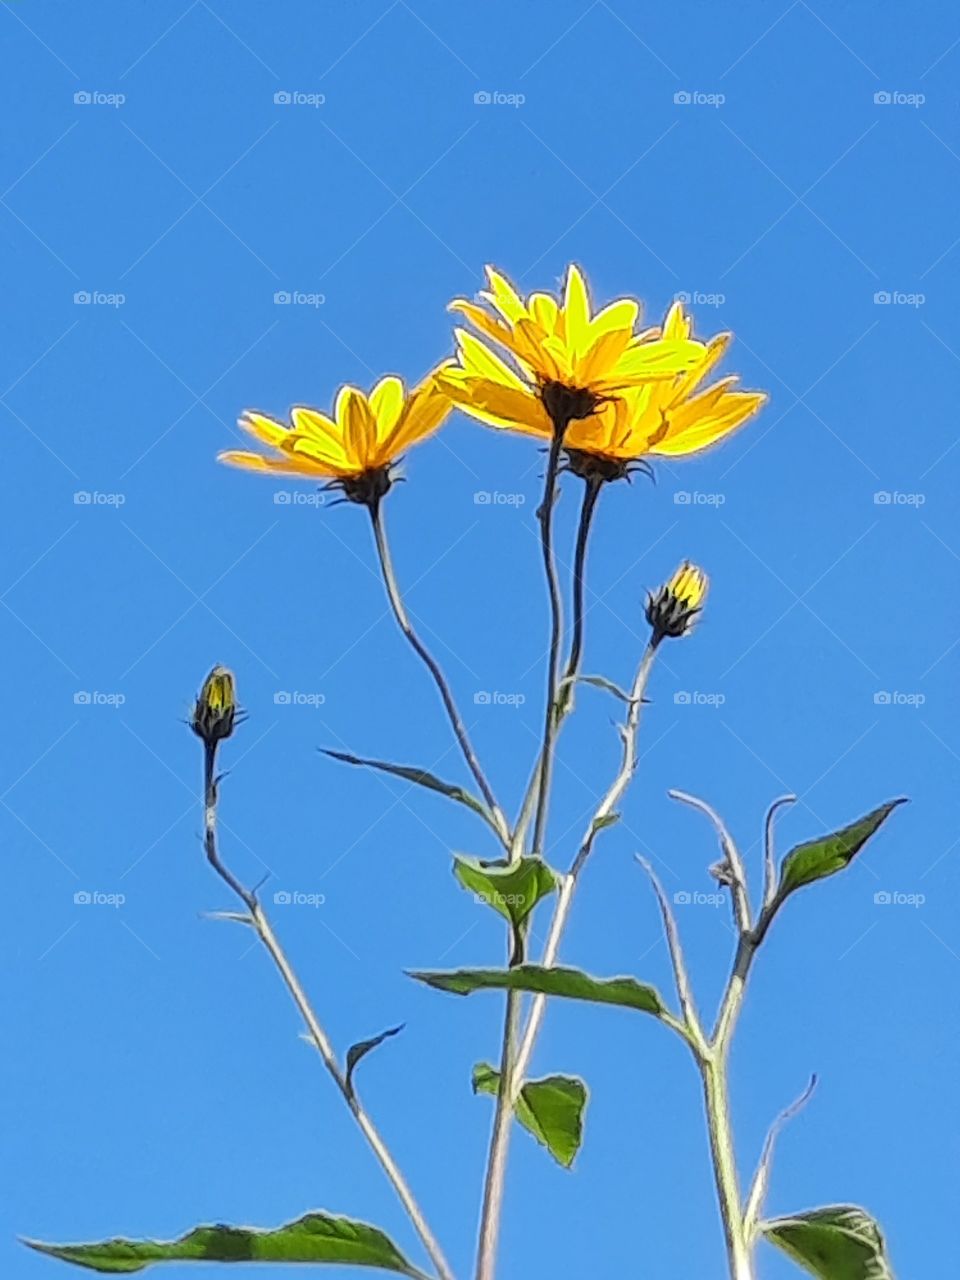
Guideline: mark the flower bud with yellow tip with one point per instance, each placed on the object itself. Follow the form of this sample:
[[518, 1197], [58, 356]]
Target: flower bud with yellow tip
[[215, 711], [671, 610]]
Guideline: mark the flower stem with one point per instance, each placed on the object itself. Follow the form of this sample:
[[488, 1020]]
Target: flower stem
[[716, 1099], [568, 884], [493, 1190], [591, 493], [259, 922], [427, 658], [545, 515]]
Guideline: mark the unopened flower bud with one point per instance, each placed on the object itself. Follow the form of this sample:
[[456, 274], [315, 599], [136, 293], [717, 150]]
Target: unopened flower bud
[[215, 711], [671, 610]]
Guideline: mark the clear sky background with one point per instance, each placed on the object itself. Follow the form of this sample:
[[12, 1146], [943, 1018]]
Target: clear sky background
[[152, 1076]]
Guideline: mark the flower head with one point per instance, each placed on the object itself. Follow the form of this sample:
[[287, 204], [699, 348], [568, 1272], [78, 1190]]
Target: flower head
[[215, 710], [671, 610], [668, 418], [356, 447], [565, 361]]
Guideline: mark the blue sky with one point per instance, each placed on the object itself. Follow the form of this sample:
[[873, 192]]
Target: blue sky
[[792, 168]]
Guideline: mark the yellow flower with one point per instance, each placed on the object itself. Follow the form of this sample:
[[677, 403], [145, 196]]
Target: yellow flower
[[671, 610], [215, 711], [666, 418], [355, 448], [565, 361]]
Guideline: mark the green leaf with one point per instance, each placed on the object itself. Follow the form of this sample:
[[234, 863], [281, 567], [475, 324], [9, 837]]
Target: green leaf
[[608, 686], [361, 1049], [840, 1242], [829, 854], [317, 1237], [513, 891], [572, 984], [423, 779], [604, 821], [551, 1109]]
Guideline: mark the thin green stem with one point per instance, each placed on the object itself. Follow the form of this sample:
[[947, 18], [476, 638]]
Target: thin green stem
[[556, 629], [495, 1181], [568, 884], [563, 698], [591, 492], [716, 1101], [428, 660], [259, 922]]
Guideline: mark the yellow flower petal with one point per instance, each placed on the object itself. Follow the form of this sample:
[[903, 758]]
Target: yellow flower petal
[[504, 297], [287, 466], [386, 405], [576, 312], [689, 433]]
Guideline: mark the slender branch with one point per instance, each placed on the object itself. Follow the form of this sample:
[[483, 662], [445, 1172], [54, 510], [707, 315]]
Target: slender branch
[[733, 860], [545, 515], [688, 1004], [563, 698], [258, 920], [569, 882], [716, 1101], [591, 492], [758, 1189], [405, 625], [493, 1190], [769, 857]]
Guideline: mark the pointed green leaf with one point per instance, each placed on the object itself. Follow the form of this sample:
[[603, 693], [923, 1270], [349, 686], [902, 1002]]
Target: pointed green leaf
[[317, 1237], [573, 984], [840, 1242], [551, 1109], [829, 854], [513, 891], [608, 686], [422, 778], [362, 1048], [604, 821]]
